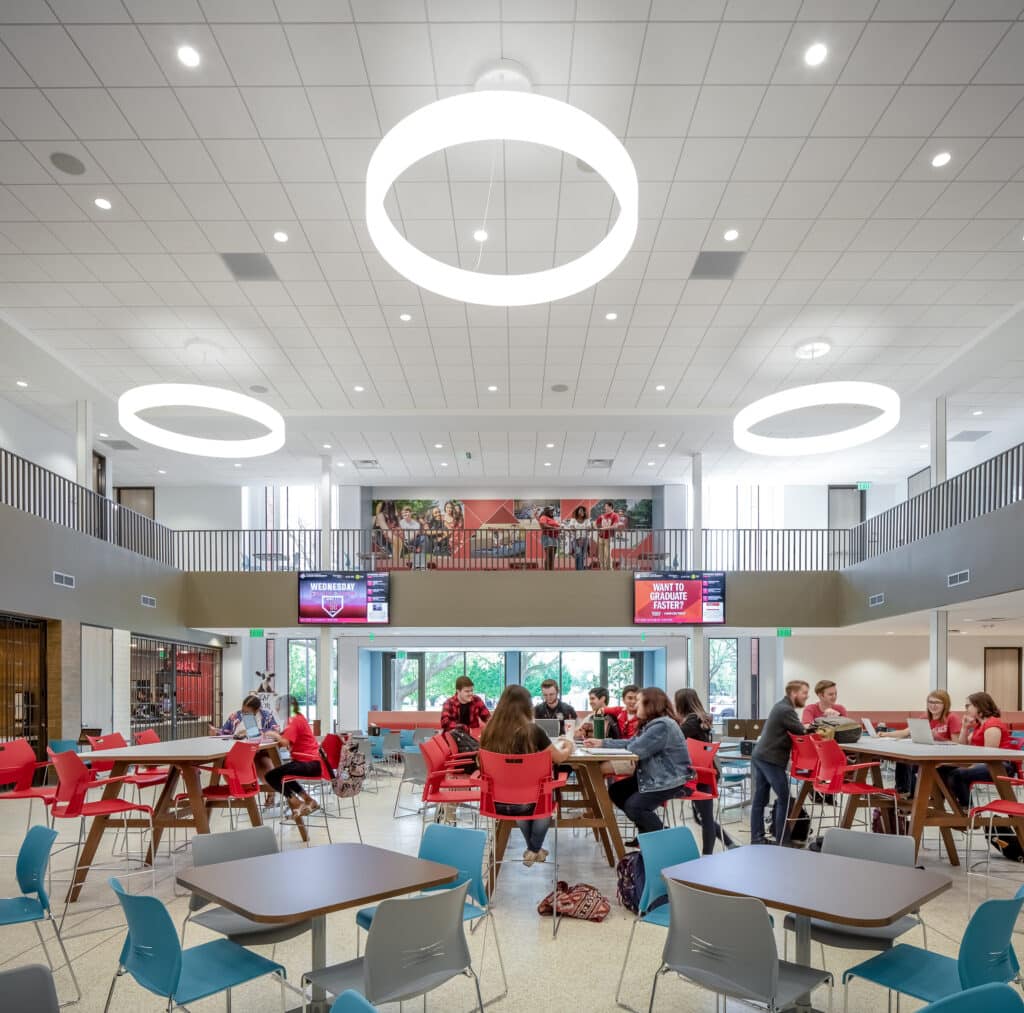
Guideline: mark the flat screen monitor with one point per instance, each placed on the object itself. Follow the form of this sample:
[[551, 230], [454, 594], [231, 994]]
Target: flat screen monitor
[[677, 598], [344, 598]]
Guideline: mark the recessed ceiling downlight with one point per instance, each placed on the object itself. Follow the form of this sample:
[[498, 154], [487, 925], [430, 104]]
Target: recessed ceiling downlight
[[280, 237], [188, 56], [731, 235], [941, 159], [815, 55], [480, 235], [842, 392], [163, 395], [501, 116], [102, 203], [812, 350]]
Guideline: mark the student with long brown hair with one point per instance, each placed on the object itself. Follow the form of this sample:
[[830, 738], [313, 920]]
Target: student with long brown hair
[[511, 730], [663, 764], [983, 725]]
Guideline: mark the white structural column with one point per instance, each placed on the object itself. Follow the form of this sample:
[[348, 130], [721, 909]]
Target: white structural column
[[745, 707], [83, 443], [780, 670], [938, 650], [676, 668], [697, 499], [699, 669], [324, 680], [937, 446], [326, 562], [673, 520], [353, 697]]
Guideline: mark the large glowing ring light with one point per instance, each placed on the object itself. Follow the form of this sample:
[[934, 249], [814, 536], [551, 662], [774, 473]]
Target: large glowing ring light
[[853, 392], [498, 116], [165, 395]]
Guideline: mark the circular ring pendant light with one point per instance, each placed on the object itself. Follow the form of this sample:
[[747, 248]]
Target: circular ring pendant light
[[167, 395], [501, 116], [844, 392]]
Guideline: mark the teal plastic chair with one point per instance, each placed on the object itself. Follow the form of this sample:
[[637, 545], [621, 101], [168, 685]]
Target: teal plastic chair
[[352, 1002], [64, 745], [993, 998], [464, 848], [376, 746], [658, 849], [986, 956], [153, 956], [34, 903], [405, 738]]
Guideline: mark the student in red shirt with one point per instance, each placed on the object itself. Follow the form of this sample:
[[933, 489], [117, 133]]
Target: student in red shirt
[[299, 739], [606, 524], [626, 716], [982, 726], [945, 728], [826, 707]]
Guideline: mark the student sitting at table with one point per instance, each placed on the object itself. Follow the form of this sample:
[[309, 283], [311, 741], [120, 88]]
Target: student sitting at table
[[626, 716], [234, 725], [663, 763], [599, 708], [945, 728], [298, 737], [826, 691], [512, 731], [464, 709], [982, 726]]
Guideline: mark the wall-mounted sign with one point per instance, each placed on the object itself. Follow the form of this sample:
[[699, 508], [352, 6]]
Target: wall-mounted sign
[[784, 631]]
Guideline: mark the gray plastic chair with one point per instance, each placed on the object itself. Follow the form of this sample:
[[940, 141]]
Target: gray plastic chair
[[29, 988], [414, 945], [726, 944], [392, 746], [422, 734], [212, 849], [892, 849], [414, 773]]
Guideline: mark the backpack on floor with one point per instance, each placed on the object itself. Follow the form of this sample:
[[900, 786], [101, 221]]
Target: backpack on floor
[[1004, 840], [630, 880]]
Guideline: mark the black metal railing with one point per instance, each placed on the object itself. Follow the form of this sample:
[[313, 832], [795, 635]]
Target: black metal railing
[[28, 487], [264, 550], [991, 485], [775, 548]]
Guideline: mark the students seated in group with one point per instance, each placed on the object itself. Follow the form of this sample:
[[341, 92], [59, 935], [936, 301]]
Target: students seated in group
[[300, 741], [512, 731], [982, 726], [234, 725], [826, 706], [695, 723], [769, 760], [945, 728], [625, 716], [465, 709], [663, 764], [552, 706], [599, 708]]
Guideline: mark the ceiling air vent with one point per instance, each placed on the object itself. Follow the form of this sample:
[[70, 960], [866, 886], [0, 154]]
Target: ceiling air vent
[[249, 266], [148, 600], [717, 264], [63, 579], [367, 462], [969, 435], [874, 600], [599, 462], [119, 444], [958, 578]]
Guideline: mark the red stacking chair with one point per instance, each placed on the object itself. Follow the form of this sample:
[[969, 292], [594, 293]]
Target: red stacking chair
[[148, 737], [18, 767], [331, 749], [992, 809], [524, 779], [241, 781], [150, 777], [833, 769], [74, 779], [447, 782], [803, 768]]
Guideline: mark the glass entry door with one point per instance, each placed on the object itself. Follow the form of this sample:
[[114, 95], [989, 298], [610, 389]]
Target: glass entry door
[[302, 653], [405, 683]]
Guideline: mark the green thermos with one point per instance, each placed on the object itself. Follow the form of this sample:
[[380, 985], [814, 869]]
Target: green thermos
[[598, 726]]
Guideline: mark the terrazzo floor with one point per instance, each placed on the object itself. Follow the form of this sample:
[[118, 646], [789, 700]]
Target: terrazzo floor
[[578, 970]]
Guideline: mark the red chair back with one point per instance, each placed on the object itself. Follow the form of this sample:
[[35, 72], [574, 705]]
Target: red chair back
[[115, 740], [17, 764], [240, 767], [73, 779], [332, 746], [804, 760], [702, 754], [146, 737], [831, 764], [515, 779], [433, 750]]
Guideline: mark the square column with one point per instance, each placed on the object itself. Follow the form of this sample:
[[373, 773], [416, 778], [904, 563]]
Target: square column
[[938, 650]]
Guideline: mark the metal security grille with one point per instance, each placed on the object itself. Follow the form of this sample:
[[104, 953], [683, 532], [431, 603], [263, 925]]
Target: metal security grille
[[23, 681], [176, 688]]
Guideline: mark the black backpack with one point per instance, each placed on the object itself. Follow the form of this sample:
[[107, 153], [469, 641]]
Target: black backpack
[[1004, 840]]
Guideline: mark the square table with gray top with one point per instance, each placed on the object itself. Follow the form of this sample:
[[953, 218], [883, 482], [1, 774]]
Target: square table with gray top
[[848, 891], [310, 883]]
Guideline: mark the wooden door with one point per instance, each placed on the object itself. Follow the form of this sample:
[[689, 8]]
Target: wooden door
[[1002, 676]]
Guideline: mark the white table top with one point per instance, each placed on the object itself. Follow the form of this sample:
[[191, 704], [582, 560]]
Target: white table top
[[198, 750], [905, 749]]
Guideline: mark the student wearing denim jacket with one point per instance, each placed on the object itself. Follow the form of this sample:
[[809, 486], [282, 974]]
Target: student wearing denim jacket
[[663, 764]]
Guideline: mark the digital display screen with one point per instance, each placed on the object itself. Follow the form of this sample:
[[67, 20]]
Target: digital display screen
[[347, 598], [679, 599]]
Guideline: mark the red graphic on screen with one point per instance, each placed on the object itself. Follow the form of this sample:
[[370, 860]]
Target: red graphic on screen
[[668, 601]]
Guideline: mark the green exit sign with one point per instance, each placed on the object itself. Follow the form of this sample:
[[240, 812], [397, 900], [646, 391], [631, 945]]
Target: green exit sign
[[863, 486], [784, 631], [624, 655], [255, 632], [401, 655]]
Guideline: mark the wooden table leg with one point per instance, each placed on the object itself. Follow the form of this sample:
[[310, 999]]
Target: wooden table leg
[[922, 802], [254, 812], [606, 812], [194, 788], [98, 826]]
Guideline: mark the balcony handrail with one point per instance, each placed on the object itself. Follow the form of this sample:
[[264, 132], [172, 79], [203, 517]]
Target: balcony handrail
[[33, 489]]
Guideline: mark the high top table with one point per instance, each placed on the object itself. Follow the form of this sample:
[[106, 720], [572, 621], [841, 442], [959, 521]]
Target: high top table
[[928, 808], [183, 758], [309, 883], [848, 891]]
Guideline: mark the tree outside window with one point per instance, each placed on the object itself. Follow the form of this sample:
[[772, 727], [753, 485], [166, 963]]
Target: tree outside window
[[535, 667], [722, 658]]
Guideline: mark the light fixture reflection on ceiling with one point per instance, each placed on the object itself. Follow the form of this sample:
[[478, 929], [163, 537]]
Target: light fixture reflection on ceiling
[[492, 388], [494, 115], [550, 446], [438, 446], [102, 203], [661, 446], [480, 235], [977, 411], [188, 56], [326, 446], [162, 395], [814, 56], [405, 317], [941, 159], [444, 464], [611, 316], [21, 383], [650, 464], [730, 235], [812, 350], [840, 392], [281, 237], [358, 389], [547, 464], [161, 471], [660, 386]]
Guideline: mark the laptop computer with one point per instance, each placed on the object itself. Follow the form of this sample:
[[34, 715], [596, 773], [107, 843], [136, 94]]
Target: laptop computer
[[551, 726], [869, 727], [252, 727], [921, 732]]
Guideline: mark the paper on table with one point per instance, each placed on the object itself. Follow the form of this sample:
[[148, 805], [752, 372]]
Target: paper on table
[[600, 751]]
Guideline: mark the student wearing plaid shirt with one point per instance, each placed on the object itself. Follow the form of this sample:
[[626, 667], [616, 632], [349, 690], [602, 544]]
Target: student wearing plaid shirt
[[465, 708]]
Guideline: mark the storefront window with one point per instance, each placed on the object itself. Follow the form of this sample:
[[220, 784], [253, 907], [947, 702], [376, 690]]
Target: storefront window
[[176, 688], [581, 672], [535, 667]]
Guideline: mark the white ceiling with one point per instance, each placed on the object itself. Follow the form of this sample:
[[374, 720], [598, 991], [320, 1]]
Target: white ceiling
[[910, 272]]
